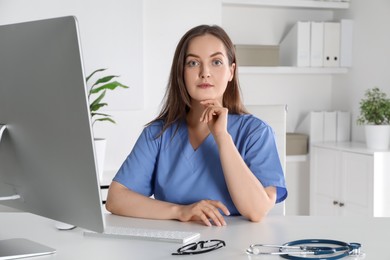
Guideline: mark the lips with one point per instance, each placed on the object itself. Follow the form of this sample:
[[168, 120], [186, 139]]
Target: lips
[[205, 85]]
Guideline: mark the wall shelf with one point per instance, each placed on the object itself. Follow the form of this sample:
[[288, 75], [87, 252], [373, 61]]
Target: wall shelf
[[290, 3], [297, 158], [290, 70]]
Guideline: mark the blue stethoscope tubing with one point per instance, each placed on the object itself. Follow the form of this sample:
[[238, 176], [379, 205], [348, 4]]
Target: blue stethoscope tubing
[[322, 249], [346, 248]]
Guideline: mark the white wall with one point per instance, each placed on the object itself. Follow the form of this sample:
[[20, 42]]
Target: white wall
[[371, 58], [165, 22], [111, 37]]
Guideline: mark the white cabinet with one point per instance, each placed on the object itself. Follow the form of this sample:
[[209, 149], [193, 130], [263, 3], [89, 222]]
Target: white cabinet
[[298, 185], [346, 179]]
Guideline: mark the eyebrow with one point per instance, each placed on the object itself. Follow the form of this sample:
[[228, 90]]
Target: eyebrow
[[212, 55]]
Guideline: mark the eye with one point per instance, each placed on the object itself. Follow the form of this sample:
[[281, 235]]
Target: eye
[[217, 62], [192, 63]]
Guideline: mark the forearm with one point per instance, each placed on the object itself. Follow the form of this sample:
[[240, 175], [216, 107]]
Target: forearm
[[248, 194], [122, 201]]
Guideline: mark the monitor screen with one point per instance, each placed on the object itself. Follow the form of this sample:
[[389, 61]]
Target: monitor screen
[[47, 162]]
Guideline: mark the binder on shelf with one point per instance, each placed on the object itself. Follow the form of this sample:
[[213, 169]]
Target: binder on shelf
[[326, 126], [331, 44], [317, 44], [346, 39], [295, 46], [343, 126], [313, 125], [330, 126]]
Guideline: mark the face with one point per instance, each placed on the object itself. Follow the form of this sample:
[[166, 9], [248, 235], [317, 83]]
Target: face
[[207, 70]]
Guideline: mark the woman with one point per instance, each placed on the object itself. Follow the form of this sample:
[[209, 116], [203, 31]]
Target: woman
[[204, 156]]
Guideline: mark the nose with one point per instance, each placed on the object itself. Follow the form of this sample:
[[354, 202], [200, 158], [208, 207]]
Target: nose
[[204, 72]]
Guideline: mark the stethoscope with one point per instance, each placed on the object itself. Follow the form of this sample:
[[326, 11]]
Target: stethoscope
[[326, 249]]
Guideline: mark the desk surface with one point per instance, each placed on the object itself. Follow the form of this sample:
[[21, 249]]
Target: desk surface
[[372, 233]]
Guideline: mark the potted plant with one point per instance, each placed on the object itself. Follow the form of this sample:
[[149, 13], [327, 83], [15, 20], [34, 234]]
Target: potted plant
[[375, 116], [96, 94]]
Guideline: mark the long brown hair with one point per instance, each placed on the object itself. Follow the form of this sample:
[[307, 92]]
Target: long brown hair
[[177, 101]]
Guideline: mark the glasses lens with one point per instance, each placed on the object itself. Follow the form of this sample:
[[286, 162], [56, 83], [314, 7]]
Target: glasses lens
[[200, 247], [191, 246], [212, 244]]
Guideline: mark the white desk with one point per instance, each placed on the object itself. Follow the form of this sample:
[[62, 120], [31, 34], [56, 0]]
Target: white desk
[[372, 233]]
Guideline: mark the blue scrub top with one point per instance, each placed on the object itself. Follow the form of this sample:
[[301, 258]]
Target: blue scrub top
[[171, 170]]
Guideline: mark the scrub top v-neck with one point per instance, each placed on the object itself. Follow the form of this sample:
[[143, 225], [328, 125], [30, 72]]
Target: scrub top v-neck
[[168, 167]]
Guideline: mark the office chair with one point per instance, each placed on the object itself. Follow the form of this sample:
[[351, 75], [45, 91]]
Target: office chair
[[275, 116]]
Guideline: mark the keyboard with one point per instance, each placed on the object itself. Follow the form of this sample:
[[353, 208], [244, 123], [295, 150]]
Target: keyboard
[[173, 236]]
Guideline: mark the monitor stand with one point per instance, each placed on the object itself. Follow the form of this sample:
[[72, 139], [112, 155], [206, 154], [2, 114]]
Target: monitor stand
[[16, 196], [20, 247], [2, 129]]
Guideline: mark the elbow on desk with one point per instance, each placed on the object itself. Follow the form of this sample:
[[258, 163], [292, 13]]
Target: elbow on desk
[[254, 216], [109, 207], [114, 210]]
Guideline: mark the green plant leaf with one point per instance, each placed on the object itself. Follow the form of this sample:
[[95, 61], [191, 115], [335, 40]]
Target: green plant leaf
[[106, 119], [96, 71], [101, 114], [374, 108], [104, 80], [96, 104], [111, 86], [96, 107], [97, 87]]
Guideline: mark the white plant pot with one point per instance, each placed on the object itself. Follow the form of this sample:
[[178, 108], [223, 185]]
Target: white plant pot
[[100, 153], [377, 136]]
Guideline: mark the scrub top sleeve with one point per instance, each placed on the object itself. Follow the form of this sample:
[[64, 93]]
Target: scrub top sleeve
[[137, 171], [263, 160]]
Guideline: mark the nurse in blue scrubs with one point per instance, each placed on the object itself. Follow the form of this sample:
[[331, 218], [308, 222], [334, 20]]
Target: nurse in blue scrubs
[[203, 157]]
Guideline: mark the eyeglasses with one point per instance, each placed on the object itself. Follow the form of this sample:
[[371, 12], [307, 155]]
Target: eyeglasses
[[200, 247]]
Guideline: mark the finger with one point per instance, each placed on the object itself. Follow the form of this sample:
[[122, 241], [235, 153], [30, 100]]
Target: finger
[[224, 209], [203, 116], [221, 206], [205, 220], [215, 215], [207, 103], [206, 116], [218, 219], [211, 216], [214, 113], [210, 114], [211, 102]]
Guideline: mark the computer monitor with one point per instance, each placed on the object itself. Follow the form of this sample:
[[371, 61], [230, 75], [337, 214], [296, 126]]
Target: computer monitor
[[47, 161]]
